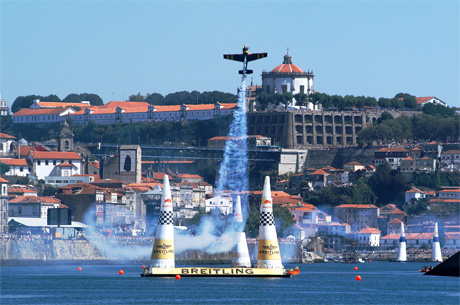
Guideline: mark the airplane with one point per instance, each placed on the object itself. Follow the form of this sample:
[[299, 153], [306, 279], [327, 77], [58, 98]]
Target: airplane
[[245, 58]]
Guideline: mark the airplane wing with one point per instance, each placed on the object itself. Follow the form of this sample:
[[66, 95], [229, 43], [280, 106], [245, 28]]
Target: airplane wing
[[237, 57], [255, 56]]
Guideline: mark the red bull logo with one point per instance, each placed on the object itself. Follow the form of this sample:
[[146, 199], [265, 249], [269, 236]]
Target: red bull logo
[[168, 200], [266, 201]]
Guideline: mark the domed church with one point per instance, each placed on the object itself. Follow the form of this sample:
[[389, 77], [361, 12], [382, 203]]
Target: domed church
[[287, 77]]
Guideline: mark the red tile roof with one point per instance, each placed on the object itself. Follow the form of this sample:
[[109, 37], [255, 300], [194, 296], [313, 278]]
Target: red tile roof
[[421, 100], [56, 105], [414, 190], [50, 199], [287, 68], [450, 190], [357, 206], [319, 172], [392, 149], [3, 180], [396, 220], [14, 162], [6, 136], [369, 231], [40, 111], [189, 176], [25, 199], [55, 155], [428, 236]]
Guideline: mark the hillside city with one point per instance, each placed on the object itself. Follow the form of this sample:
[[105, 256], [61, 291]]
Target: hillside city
[[346, 172]]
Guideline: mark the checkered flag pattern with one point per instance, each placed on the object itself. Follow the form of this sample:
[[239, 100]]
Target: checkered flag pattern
[[166, 218], [267, 219]]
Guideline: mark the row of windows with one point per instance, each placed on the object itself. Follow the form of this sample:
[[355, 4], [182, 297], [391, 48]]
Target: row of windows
[[54, 162], [81, 117]]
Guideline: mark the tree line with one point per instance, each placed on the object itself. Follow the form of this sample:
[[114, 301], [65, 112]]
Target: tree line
[[185, 97], [436, 123], [27, 101], [400, 100], [177, 98]]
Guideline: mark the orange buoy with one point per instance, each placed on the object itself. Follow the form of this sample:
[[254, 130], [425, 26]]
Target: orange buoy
[[120, 272], [370, 260], [356, 268], [358, 278], [420, 270], [143, 266], [177, 276], [79, 269]]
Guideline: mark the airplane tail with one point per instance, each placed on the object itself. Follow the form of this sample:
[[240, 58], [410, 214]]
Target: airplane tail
[[247, 71]]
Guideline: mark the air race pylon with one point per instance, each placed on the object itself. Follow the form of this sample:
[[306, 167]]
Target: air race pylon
[[269, 251], [437, 257], [240, 255], [163, 247], [402, 254]]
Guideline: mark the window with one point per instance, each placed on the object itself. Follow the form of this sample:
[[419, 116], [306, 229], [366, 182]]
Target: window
[[46, 162], [283, 88], [302, 89], [21, 169], [54, 162], [38, 162]]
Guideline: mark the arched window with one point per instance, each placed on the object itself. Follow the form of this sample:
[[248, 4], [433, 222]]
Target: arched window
[[66, 144]]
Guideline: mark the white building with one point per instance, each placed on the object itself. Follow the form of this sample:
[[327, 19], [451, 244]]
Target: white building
[[54, 163], [59, 181], [5, 144], [421, 101], [368, 237], [413, 193], [18, 167], [42, 115], [287, 77], [3, 206], [4, 111], [37, 104], [224, 204], [121, 112]]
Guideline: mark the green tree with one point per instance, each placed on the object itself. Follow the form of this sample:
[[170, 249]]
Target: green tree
[[385, 116], [136, 97], [301, 99], [155, 99], [384, 102], [387, 184], [438, 110], [27, 101], [410, 102], [92, 98], [4, 168]]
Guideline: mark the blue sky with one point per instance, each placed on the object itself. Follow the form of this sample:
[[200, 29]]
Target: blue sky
[[119, 48]]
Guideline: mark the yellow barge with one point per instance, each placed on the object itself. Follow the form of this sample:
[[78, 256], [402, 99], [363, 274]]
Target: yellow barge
[[214, 272]]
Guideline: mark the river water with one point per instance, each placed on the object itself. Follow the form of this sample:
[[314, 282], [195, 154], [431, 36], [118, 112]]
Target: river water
[[329, 283]]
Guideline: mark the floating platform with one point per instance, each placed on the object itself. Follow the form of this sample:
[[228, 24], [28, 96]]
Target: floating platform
[[214, 272]]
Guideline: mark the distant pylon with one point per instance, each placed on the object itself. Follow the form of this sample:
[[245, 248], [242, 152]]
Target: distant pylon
[[240, 255], [402, 255], [437, 257]]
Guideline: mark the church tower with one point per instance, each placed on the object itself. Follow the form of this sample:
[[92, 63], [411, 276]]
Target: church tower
[[65, 138]]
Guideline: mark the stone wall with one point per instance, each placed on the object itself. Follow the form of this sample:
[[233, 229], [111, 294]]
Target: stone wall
[[339, 156]]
